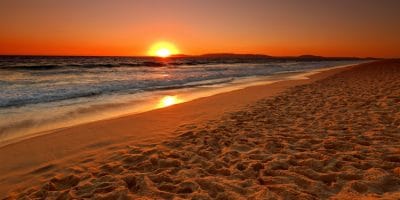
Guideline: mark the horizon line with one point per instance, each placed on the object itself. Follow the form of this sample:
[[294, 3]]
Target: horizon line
[[198, 55]]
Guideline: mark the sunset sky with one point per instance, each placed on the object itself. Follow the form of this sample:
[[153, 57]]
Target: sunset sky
[[131, 27]]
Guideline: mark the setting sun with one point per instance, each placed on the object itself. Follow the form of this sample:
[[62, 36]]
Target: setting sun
[[163, 49], [163, 52]]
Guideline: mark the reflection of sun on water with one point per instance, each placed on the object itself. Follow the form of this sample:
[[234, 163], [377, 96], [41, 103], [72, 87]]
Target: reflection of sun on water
[[168, 101]]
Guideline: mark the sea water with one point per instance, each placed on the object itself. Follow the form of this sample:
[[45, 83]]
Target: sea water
[[42, 93]]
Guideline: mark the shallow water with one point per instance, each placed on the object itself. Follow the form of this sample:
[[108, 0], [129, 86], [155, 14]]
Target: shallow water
[[42, 93]]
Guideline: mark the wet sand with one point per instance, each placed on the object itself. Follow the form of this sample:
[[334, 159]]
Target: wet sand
[[335, 135]]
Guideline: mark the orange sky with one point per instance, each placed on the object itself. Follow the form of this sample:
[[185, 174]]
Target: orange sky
[[130, 27]]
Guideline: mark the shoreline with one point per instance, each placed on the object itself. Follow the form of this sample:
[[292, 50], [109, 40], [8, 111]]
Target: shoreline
[[146, 105], [62, 146]]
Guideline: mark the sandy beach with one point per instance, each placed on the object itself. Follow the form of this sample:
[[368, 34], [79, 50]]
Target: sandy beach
[[332, 136]]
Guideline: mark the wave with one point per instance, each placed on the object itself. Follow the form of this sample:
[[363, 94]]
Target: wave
[[104, 90], [17, 102], [45, 85], [48, 64], [100, 65], [43, 67]]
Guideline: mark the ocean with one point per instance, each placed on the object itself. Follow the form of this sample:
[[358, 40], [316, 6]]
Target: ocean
[[43, 93]]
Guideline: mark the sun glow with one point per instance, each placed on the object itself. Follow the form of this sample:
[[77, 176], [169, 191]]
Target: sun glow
[[163, 49], [168, 101], [163, 53]]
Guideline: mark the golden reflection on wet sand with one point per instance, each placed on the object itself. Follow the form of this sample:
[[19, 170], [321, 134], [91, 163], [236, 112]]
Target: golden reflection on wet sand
[[168, 101]]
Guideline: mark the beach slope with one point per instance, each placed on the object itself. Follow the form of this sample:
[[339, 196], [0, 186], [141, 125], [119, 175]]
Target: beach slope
[[335, 136]]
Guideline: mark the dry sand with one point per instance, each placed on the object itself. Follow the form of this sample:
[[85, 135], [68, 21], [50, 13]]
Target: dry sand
[[333, 136]]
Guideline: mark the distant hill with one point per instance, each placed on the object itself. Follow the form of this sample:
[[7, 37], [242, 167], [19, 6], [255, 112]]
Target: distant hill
[[230, 58], [180, 56], [268, 57], [233, 55]]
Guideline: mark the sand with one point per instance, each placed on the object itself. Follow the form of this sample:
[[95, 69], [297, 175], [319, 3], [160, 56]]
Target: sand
[[335, 136]]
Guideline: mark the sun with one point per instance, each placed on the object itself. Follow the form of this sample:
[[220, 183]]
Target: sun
[[163, 49], [163, 52]]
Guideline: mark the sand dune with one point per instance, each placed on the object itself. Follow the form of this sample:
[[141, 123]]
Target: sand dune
[[338, 138]]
